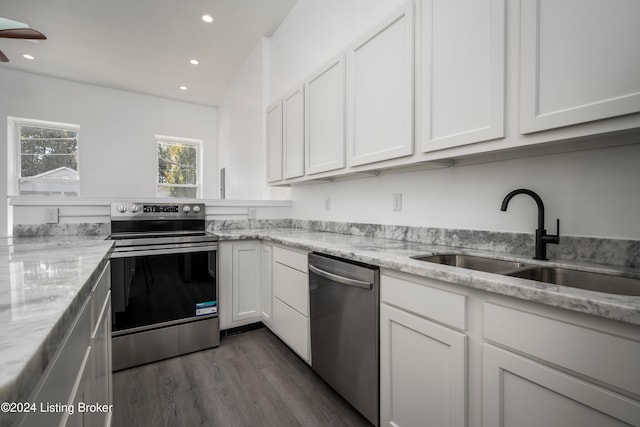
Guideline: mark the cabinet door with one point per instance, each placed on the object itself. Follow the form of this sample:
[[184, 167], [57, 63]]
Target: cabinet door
[[267, 283], [324, 118], [293, 134], [245, 283], [274, 142], [422, 371], [462, 60], [580, 61], [520, 392], [380, 92]]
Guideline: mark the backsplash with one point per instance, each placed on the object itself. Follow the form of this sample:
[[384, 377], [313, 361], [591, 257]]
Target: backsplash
[[42, 230], [615, 252]]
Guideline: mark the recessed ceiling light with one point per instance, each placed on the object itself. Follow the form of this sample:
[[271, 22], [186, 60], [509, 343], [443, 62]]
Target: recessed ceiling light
[[194, 62], [183, 88], [207, 18], [27, 56]]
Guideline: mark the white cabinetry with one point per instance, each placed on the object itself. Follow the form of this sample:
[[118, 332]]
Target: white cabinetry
[[291, 300], [324, 118], [239, 282], [519, 391], [380, 91], [579, 61], [80, 371], [267, 284], [461, 72], [293, 133], [274, 142], [423, 364]]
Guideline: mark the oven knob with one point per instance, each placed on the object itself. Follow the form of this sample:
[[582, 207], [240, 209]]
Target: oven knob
[[122, 208], [134, 208], [196, 209], [186, 209]]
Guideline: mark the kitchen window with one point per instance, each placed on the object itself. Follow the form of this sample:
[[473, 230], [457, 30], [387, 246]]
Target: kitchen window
[[179, 167], [46, 157]]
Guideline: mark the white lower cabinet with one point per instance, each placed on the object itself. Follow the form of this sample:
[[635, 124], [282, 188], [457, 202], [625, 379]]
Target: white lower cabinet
[[423, 371], [79, 374], [531, 389], [423, 353], [291, 300], [239, 282], [455, 356], [520, 392]]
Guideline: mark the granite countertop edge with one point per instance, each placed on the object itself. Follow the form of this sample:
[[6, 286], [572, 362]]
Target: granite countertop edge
[[395, 255], [20, 386]]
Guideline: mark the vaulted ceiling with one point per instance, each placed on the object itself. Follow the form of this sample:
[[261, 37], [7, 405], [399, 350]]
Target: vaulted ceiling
[[142, 45]]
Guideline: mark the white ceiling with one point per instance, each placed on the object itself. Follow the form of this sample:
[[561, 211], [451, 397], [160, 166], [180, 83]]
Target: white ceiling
[[142, 45]]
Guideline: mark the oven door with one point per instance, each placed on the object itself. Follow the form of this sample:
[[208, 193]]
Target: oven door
[[159, 287]]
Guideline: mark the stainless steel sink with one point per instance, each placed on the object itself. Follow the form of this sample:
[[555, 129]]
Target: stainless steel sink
[[586, 280], [489, 265], [598, 282]]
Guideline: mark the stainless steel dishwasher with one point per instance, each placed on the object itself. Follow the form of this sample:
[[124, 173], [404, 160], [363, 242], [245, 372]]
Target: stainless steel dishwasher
[[344, 301]]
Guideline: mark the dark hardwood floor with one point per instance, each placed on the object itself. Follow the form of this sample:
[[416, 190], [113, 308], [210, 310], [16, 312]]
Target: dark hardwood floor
[[252, 379]]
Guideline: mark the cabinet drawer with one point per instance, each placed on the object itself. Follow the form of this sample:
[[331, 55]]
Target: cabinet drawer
[[293, 259], [292, 327], [292, 287], [607, 358], [442, 306]]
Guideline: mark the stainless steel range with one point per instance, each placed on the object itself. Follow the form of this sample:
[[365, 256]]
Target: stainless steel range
[[163, 282]]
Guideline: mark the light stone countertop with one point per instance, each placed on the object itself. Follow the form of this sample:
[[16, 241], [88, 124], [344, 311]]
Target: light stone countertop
[[395, 255], [43, 285]]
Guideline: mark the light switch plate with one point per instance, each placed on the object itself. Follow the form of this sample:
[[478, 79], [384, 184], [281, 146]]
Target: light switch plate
[[51, 215], [327, 203]]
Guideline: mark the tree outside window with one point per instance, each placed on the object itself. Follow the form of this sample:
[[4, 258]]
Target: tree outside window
[[47, 163], [178, 168]]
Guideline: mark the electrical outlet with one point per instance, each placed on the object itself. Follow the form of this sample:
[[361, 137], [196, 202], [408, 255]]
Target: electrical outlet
[[251, 213], [397, 201], [327, 203], [51, 215]]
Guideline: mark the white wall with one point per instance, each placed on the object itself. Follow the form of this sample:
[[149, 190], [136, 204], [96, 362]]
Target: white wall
[[241, 132], [117, 151], [594, 193]]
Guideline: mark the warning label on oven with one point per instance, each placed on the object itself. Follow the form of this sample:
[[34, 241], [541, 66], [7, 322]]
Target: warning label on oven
[[204, 308]]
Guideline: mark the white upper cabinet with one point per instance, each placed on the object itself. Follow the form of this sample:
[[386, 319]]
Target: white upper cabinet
[[324, 118], [580, 61], [274, 142], [380, 91], [293, 134], [461, 72]]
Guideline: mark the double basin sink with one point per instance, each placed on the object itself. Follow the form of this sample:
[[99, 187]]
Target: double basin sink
[[590, 281]]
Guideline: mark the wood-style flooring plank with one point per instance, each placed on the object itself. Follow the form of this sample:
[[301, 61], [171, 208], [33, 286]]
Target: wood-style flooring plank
[[252, 379]]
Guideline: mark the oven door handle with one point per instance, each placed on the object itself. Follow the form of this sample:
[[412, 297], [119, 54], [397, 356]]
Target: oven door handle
[[164, 251]]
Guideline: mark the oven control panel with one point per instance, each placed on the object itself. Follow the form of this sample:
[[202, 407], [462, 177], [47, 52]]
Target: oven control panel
[[148, 211]]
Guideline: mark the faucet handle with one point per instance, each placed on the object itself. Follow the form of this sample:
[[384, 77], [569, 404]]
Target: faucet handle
[[556, 238]]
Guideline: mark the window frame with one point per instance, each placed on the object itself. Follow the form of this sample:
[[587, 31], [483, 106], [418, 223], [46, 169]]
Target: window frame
[[14, 153], [198, 143]]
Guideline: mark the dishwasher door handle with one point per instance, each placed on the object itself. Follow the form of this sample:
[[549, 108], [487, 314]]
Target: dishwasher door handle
[[340, 279]]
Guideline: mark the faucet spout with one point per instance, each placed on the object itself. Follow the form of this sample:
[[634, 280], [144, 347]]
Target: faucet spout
[[542, 238], [533, 195]]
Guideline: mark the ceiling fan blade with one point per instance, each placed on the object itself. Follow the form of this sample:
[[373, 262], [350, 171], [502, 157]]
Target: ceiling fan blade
[[22, 33], [3, 57]]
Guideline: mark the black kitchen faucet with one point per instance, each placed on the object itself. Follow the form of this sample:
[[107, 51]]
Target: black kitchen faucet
[[542, 238]]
